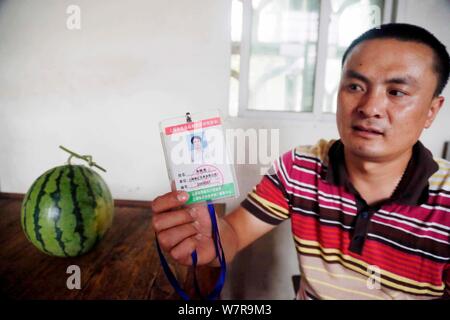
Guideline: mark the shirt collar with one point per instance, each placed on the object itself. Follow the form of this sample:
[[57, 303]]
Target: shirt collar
[[413, 186]]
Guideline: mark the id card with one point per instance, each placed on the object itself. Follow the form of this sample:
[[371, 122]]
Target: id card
[[196, 157]]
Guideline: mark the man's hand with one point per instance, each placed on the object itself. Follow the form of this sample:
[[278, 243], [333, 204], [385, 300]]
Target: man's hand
[[181, 230]]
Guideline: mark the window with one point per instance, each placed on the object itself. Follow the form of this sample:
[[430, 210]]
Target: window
[[286, 54]]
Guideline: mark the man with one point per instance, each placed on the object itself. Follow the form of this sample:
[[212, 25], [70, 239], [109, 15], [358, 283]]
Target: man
[[370, 212]]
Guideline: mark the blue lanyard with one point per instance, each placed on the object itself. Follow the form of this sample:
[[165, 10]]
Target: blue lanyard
[[219, 254]]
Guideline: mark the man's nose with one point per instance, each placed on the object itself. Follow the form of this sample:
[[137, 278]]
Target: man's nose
[[371, 105]]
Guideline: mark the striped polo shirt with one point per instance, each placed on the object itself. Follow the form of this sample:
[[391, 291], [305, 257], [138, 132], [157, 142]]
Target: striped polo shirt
[[396, 249]]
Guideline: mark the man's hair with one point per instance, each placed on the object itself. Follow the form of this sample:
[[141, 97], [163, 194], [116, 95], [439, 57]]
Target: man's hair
[[409, 32]]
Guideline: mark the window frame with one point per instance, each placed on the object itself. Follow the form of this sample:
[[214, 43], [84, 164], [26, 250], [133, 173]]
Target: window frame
[[319, 77]]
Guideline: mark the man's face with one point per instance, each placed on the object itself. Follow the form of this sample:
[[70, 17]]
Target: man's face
[[386, 98]]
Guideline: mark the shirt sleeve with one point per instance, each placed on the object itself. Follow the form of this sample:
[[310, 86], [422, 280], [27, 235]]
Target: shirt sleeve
[[269, 200]]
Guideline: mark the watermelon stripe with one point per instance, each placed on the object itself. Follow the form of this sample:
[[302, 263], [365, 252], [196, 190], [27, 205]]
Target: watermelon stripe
[[56, 197], [28, 210], [90, 192], [84, 171], [87, 199], [96, 187], [37, 210], [79, 227], [48, 214], [24, 206]]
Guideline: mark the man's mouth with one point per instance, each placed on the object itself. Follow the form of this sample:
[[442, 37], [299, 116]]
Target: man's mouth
[[368, 130]]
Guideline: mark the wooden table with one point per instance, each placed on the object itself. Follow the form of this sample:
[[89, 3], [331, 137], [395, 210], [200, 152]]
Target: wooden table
[[124, 265]]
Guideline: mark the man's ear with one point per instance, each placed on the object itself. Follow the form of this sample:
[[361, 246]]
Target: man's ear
[[436, 105]]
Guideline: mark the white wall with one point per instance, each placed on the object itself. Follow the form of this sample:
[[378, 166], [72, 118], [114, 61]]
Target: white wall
[[103, 89]]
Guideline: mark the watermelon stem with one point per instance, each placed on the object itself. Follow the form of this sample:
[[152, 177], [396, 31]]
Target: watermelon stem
[[86, 158]]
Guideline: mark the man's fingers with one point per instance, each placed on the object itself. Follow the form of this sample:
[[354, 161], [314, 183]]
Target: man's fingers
[[169, 201], [170, 219], [182, 251], [171, 237]]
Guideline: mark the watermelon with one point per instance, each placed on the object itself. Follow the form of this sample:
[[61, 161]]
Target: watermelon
[[67, 211]]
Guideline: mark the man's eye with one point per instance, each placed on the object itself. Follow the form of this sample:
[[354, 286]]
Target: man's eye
[[354, 87], [396, 93]]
